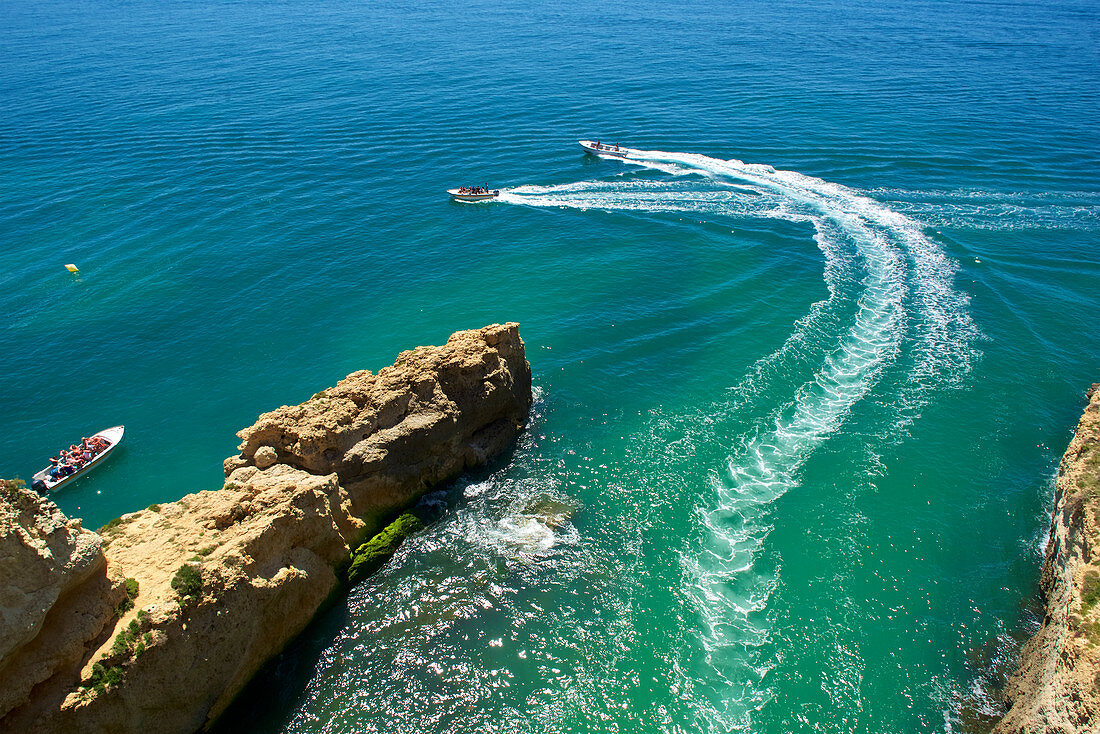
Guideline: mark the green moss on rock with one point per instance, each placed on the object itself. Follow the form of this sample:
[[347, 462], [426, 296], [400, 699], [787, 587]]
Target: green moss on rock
[[369, 557]]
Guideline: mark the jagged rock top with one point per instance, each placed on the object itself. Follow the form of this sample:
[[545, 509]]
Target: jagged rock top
[[477, 379], [42, 553]]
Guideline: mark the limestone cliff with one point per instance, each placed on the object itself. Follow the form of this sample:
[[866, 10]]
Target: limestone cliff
[[55, 593], [1057, 685], [225, 578]]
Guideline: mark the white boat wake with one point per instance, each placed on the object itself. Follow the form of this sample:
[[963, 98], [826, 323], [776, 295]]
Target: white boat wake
[[879, 266]]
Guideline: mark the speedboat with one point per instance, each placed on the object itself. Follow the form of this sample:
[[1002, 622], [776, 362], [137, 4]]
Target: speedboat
[[604, 149], [44, 481], [473, 194]]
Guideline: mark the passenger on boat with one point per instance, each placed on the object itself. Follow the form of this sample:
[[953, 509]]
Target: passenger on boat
[[62, 469]]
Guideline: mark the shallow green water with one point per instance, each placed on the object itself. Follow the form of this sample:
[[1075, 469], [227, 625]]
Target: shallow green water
[[808, 408]]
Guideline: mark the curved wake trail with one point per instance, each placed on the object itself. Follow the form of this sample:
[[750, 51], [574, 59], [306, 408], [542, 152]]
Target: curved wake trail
[[904, 301]]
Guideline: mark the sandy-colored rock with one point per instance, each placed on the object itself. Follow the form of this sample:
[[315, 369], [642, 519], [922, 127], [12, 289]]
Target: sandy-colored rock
[[265, 551], [435, 412], [264, 457], [55, 594], [1057, 685]]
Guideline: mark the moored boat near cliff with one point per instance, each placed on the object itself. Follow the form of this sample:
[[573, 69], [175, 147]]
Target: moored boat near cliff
[[98, 447]]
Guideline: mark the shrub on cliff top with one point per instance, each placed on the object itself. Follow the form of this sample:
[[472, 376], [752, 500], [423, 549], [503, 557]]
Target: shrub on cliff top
[[13, 490], [112, 524], [121, 645], [1090, 590], [370, 556], [131, 593], [103, 677], [187, 583]]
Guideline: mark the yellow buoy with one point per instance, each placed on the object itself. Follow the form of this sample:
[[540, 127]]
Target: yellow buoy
[[72, 268]]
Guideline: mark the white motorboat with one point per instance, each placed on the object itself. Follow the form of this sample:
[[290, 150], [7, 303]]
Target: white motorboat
[[599, 148], [473, 194], [47, 481]]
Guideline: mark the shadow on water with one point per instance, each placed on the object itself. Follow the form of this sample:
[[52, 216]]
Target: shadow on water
[[270, 699], [992, 663], [274, 693]]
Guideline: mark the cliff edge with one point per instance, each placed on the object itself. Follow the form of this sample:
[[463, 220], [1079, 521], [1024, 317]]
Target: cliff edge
[[55, 596], [1057, 685], [180, 604]]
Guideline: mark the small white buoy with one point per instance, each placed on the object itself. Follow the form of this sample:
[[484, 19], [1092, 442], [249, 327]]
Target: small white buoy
[[72, 268]]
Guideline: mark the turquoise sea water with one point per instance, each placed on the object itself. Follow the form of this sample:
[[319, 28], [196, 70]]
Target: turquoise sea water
[[807, 407]]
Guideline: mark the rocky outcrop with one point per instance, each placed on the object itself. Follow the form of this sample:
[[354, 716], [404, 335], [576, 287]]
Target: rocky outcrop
[[1057, 685], [436, 411], [55, 594], [225, 578]]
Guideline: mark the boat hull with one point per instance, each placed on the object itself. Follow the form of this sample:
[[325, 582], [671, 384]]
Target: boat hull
[[42, 480]]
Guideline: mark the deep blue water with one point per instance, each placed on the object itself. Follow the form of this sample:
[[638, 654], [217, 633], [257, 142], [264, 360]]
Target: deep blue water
[[808, 407]]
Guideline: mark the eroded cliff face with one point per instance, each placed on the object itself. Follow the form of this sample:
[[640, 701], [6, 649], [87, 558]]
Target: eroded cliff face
[[225, 578], [1057, 688], [55, 593]]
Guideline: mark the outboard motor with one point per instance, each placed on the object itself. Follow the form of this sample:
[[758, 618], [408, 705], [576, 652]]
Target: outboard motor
[[39, 486]]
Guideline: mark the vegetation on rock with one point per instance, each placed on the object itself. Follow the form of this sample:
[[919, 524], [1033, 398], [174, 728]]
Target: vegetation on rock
[[130, 638], [370, 556], [102, 677], [114, 524], [131, 593], [187, 583], [1090, 590]]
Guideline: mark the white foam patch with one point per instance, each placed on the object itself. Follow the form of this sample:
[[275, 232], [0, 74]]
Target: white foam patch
[[902, 285], [971, 209]]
